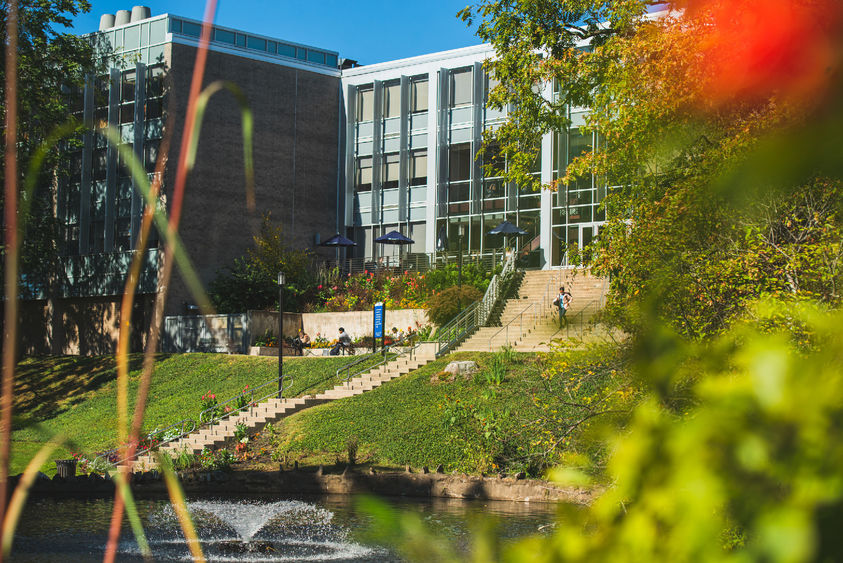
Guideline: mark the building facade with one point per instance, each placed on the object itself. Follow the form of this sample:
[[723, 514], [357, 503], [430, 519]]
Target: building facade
[[294, 94], [413, 129], [337, 148]]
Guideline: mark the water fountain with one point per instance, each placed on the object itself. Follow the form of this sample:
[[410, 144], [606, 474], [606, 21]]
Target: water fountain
[[254, 528], [243, 530]]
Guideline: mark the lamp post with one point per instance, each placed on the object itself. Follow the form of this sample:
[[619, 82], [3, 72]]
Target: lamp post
[[280, 334]]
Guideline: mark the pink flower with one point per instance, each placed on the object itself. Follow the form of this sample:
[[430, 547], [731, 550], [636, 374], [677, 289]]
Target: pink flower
[[213, 396], [319, 286]]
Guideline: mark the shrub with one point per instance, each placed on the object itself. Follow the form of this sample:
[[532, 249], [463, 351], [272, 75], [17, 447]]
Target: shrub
[[445, 305]]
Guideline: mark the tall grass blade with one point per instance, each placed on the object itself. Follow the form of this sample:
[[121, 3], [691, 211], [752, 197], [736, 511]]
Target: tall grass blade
[[168, 229], [10, 309], [180, 506], [16, 504], [121, 481], [247, 122]]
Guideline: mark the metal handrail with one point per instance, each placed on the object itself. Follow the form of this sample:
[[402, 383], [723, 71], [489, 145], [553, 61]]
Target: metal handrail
[[357, 361], [103, 458], [580, 315], [388, 354], [457, 329], [475, 315], [520, 318], [212, 415]]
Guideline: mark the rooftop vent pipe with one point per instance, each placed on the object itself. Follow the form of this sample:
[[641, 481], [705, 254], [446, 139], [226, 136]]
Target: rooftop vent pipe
[[106, 21], [140, 13], [123, 17]]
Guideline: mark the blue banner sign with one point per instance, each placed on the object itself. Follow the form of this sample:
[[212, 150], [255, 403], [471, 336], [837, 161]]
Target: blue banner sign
[[379, 320]]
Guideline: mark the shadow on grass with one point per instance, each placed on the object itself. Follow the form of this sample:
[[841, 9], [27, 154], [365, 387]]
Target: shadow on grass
[[47, 386]]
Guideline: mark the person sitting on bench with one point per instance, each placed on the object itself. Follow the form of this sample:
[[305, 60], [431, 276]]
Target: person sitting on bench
[[343, 343], [301, 342]]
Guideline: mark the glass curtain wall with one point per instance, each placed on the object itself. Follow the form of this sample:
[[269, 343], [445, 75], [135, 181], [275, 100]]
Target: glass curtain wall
[[576, 215]]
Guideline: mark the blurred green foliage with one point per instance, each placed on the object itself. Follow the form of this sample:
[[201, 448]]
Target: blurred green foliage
[[724, 247]]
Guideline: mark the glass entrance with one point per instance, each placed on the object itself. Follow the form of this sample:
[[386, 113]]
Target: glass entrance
[[566, 238]]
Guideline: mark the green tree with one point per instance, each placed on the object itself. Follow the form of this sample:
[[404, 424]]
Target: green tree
[[51, 64], [666, 132], [252, 281]]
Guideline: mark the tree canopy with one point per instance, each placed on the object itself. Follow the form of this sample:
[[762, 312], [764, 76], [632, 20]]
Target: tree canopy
[[51, 64], [687, 120]]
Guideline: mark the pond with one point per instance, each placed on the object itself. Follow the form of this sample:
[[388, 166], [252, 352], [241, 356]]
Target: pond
[[327, 528]]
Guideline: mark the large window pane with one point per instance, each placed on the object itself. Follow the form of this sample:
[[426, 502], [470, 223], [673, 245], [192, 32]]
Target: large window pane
[[363, 180], [459, 162], [418, 95], [418, 168], [390, 171], [365, 105], [461, 88], [392, 100], [127, 88]]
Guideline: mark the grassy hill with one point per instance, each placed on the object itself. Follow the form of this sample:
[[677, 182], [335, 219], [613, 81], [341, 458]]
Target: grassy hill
[[519, 412], [76, 396]]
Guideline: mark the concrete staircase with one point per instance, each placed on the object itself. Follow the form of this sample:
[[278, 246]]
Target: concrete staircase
[[529, 320], [274, 409]]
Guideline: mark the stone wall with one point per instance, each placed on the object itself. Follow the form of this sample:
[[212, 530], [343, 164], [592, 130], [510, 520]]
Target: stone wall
[[360, 323]]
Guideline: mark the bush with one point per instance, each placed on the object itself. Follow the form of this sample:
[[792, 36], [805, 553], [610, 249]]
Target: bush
[[445, 305]]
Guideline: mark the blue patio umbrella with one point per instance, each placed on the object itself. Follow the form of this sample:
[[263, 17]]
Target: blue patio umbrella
[[507, 228], [394, 237], [338, 240]]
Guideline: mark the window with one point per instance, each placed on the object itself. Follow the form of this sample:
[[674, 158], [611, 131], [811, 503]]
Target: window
[[154, 108], [491, 84], [287, 50], [461, 88], [390, 171], [578, 144], [392, 100], [127, 113], [494, 158], [99, 164], [363, 179], [418, 168], [155, 82], [316, 57], [150, 154], [224, 36], [127, 87], [459, 192], [418, 95], [256, 43], [365, 104], [190, 28], [459, 162]]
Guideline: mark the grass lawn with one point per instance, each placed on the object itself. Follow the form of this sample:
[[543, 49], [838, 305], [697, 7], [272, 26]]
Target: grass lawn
[[470, 424], [76, 396]]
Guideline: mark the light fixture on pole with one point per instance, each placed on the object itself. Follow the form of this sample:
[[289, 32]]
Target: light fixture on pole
[[281, 280]]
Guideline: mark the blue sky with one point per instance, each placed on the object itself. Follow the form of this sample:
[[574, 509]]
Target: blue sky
[[369, 31]]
